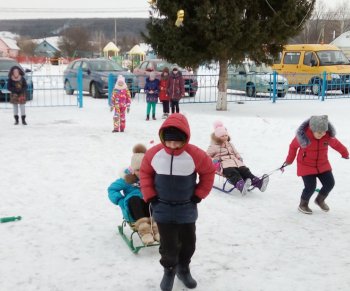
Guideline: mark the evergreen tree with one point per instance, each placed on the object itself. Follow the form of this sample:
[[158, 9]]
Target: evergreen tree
[[224, 31]]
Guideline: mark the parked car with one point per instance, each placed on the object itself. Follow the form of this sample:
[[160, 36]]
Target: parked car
[[252, 78], [304, 64], [157, 65], [95, 76], [5, 65]]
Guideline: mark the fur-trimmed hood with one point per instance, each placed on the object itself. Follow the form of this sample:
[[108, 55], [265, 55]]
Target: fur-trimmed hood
[[301, 133]]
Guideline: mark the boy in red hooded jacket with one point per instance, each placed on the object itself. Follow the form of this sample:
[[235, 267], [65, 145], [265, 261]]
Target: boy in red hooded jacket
[[311, 143], [168, 177]]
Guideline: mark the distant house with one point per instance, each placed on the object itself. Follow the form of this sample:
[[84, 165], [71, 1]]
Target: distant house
[[343, 42], [8, 48], [46, 49]]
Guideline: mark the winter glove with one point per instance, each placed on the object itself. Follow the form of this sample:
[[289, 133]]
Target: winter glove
[[128, 110], [195, 199], [111, 108], [285, 164]]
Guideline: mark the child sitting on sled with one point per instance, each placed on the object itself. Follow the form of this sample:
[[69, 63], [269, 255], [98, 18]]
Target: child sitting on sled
[[229, 162], [125, 192]]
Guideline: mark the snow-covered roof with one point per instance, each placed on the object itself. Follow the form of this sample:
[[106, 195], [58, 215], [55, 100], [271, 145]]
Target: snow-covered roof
[[11, 43], [8, 34], [111, 47], [136, 50], [342, 40], [52, 40]]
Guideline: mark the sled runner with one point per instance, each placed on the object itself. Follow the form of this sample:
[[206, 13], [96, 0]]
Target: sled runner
[[228, 187], [128, 232]]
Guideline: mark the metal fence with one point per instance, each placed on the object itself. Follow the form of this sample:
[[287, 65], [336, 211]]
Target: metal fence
[[49, 91], [44, 90]]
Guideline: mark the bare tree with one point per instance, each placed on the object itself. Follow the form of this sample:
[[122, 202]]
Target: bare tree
[[26, 45], [74, 39]]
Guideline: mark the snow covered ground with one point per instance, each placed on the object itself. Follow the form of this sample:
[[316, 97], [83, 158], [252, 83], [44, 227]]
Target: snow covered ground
[[55, 172]]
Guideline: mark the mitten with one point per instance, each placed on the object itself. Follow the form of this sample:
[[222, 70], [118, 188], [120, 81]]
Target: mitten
[[128, 110], [111, 108]]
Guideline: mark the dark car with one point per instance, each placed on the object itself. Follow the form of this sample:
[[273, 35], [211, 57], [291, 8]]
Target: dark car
[[157, 65], [96, 73], [5, 65]]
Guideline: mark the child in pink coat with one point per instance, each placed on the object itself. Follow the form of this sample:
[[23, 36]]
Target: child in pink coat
[[121, 100], [230, 163]]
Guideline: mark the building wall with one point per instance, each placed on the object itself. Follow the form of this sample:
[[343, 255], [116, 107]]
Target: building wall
[[5, 51]]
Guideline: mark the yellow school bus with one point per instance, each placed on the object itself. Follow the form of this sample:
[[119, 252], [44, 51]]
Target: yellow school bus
[[304, 66]]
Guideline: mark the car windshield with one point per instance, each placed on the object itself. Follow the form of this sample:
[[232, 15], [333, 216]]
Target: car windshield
[[105, 65], [6, 65], [262, 68], [332, 57]]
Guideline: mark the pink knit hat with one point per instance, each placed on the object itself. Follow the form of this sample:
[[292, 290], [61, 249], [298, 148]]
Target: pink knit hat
[[120, 84], [219, 129]]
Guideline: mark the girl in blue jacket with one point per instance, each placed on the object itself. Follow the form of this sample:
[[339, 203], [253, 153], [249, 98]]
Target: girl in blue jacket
[[125, 192]]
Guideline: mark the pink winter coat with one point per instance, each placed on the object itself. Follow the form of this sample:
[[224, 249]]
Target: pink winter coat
[[225, 152]]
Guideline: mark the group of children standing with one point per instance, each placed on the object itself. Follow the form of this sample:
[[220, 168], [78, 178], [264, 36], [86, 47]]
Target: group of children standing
[[169, 89]]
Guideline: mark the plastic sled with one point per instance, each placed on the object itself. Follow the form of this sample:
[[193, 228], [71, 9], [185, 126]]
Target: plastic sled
[[227, 187], [132, 238]]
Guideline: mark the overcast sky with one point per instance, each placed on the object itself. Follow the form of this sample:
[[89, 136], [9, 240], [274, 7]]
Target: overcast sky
[[17, 9]]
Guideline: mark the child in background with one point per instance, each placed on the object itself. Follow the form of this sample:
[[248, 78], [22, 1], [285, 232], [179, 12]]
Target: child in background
[[152, 91], [120, 102], [125, 192], [227, 159], [17, 85], [311, 147], [168, 177], [163, 92], [176, 89]]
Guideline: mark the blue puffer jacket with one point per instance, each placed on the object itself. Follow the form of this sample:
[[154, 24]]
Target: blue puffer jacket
[[119, 192], [152, 85]]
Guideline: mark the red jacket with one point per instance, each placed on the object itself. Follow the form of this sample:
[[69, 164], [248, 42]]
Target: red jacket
[[312, 153], [163, 88], [175, 176]]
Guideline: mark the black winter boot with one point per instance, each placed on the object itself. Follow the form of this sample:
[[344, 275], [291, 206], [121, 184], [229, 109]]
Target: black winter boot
[[24, 120], [147, 117], [184, 274], [168, 279], [16, 119], [154, 117]]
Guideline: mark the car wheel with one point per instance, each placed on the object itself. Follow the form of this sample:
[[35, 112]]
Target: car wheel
[[250, 90], [192, 94], [94, 91], [68, 88], [281, 94], [316, 87]]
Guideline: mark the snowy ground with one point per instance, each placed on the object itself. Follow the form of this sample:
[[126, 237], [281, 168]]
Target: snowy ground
[[55, 172]]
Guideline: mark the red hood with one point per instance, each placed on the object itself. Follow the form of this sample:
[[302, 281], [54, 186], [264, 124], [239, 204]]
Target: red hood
[[179, 121]]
